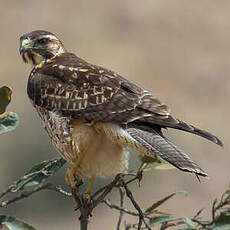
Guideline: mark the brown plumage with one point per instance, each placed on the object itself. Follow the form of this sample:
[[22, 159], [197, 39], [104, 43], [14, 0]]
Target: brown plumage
[[89, 109]]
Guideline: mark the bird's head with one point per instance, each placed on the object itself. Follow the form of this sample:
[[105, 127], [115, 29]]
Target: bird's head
[[39, 45]]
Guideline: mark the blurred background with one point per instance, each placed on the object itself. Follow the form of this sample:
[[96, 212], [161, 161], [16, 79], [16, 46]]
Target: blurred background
[[179, 50]]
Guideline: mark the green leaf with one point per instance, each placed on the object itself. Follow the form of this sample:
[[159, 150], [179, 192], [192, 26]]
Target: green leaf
[[222, 222], [160, 202], [189, 228], [5, 98], [8, 122], [40, 172], [160, 219], [182, 192], [159, 213], [189, 222], [13, 223]]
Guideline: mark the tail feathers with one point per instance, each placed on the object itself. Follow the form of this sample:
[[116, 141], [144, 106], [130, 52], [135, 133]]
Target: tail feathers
[[164, 148], [171, 122], [192, 129], [184, 162]]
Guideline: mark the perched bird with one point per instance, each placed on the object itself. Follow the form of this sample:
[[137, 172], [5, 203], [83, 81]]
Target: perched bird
[[94, 115]]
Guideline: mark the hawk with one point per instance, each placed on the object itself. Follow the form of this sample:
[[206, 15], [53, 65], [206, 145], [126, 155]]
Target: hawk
[[93, 115]]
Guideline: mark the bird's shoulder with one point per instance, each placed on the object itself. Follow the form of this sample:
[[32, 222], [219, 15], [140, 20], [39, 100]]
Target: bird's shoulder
[[70, 69]]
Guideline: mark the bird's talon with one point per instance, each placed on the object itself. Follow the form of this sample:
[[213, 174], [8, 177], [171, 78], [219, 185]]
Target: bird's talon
[[76, 207], [86, 196], [120, 176], [70, 179], [78, 182], [87, 199], [74, 178]]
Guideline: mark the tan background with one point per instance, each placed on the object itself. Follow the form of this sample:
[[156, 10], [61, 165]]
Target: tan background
[[179, 50]]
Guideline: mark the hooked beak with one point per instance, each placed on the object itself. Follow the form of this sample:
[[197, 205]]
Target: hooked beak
[[25, 45]]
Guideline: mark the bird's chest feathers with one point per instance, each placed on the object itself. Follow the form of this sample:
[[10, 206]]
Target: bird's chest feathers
[[103, 155]]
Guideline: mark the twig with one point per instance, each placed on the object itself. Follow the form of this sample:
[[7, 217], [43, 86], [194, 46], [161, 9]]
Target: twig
[[128, 226], [109, 186], [121, 211], [141, 215], [27, 193], [119, 182], [105, 191], [83, 203], [13, 186], [137, 176], [113, 206], [59, 189], [24, 194], [130, 196], [214, 209], [7, 190], [198, 213]]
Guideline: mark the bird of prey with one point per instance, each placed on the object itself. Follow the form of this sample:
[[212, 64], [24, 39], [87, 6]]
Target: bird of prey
[[94, 115]]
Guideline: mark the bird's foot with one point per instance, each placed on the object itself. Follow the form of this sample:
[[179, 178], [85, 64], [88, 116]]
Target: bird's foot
[[87, 198], [85, 201], [74, 177], [87, 195]]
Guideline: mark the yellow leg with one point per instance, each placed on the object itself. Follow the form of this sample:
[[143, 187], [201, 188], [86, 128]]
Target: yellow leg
[[88, 193], [70, 176], [73, 171], [90, 186]]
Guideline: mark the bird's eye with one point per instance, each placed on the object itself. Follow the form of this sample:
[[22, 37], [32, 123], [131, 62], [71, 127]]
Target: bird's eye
[[43, 41]]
